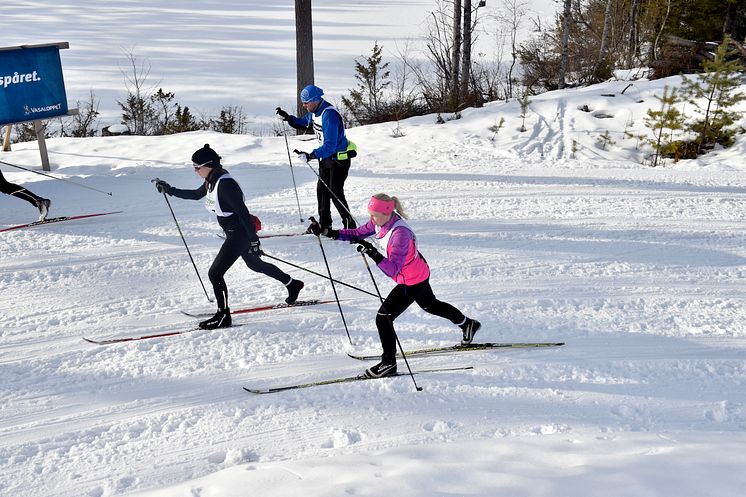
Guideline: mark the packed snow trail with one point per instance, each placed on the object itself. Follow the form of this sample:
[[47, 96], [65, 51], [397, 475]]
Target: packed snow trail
[[640, 271]]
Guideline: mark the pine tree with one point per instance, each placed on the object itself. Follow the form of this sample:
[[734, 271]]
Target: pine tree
[[701, 20], [231, 120], [667, 118], [184, 121], [162, 111], [137, 114], [366, 103], [713, 95]]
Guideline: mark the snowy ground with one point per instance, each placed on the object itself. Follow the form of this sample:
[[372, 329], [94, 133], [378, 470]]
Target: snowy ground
[[640, 271]]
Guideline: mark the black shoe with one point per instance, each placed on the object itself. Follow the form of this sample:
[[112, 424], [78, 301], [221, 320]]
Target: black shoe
[[383, 368], [294, 288], [221, 319], [470, 328], [43, 205]]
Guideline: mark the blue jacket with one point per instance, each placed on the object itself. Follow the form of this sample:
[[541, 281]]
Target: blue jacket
[[331, 127]]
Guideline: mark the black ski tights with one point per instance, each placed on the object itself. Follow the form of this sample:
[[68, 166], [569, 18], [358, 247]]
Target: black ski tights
[[232, 249], [332, 176], [397, 302], [18, 191]]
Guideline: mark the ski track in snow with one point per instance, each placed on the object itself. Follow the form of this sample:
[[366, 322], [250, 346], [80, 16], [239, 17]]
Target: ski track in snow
[[640, 271]]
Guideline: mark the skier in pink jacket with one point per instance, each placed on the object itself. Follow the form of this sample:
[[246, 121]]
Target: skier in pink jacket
[[405, 265]]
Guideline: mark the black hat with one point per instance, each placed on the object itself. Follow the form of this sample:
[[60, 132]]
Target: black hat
[[206, 157]]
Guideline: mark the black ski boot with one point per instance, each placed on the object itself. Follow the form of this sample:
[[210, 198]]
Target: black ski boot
[[294, 288], [470, 328], [43, 205], [386, 367], [221, 319]]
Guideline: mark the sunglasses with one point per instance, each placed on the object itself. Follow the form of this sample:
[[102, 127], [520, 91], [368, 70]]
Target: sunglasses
[[197, 166]]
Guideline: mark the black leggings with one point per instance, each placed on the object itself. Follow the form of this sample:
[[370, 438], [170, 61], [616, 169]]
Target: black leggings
[[397, 302], [18, 191], [232, 249], [333, 173]]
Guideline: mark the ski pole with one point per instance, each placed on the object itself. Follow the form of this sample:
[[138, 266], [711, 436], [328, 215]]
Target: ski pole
[[328, 270], [185, 243], [295, 187], [54, 177], [319, 274]]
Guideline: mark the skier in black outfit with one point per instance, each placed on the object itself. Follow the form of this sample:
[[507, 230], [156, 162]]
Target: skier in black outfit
[[18, 191], [225, 199]]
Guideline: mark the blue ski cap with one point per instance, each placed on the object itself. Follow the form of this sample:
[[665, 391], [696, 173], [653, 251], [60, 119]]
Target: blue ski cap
[[311, 93]]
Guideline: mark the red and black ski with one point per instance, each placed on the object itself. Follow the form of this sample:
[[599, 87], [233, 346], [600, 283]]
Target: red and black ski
[[298, 303], [57, 220], [109, 341], [463, 348], [348, 379], [148, 336]]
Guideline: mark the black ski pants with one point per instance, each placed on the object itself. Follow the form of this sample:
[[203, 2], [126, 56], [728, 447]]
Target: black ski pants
[[18, 191], [397, 301], [232, 249], [332, 174]]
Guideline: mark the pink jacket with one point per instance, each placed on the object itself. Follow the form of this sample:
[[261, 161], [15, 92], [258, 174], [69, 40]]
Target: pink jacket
[[403, 262]]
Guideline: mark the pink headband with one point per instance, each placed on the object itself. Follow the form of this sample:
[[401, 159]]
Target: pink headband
[[382, 206]]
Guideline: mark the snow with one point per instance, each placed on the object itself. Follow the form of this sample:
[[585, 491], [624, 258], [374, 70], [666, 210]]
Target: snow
[[639, 270]]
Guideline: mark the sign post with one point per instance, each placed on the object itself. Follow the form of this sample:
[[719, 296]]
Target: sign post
[[6, 141], [32, 87]]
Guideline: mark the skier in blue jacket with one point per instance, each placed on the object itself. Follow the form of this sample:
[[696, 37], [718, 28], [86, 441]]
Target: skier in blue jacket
[[333, 153]]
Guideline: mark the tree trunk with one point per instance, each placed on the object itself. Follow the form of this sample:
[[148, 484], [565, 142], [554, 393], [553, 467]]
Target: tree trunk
[[466, 59], [654, 52], [303, 49], [565, 58], [455, 53], [604, 48], [633, 42]]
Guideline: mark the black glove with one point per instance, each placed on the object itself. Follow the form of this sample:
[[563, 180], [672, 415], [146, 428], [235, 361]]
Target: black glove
[[255, 248], [367, 248], [162, 186], [304, 156], [284, 115], [330, 233]]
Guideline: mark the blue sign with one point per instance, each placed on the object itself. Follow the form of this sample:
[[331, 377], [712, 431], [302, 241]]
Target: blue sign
[[31, 84]]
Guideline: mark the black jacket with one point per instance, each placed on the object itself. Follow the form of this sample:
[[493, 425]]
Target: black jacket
[[230, 198]]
